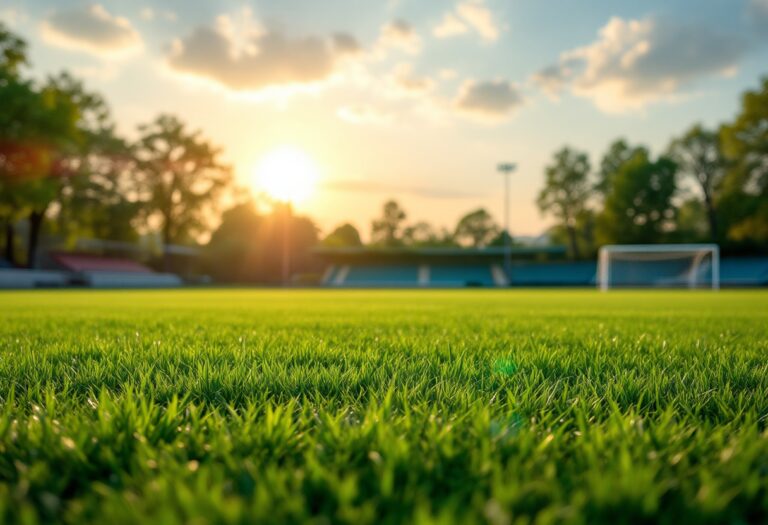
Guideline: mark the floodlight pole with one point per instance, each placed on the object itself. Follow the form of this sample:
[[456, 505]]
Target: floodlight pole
[[506, 168]]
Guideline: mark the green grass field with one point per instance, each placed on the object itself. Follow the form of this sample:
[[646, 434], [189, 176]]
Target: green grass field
[[239, 406]]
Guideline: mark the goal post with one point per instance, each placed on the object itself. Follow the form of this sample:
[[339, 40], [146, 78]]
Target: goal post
[[659, 266]]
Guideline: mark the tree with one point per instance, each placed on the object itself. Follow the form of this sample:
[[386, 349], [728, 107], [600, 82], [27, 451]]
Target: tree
[[386, 230], [344, 235], [699, 155], [181, 177], [99, 200], [566, 192], [745, 188], [74, 116], [618, 153], [38, 127], [13, 53], [247, 246], [638, 206], [585, 224], [477, 228], [16, 100]]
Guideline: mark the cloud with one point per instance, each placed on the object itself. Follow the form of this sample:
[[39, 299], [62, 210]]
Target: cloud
[[12, 16], [451, 25], [404, 81], [149, 14], [757, 12], [468, 14], [399, 35], [252, 58], [553, 79], [91, 29], [489, 100], [448, 74], [634, 63], [363, 114]]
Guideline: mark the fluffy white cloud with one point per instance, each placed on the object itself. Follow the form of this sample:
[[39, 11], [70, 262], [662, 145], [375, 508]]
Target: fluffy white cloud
[[468, 14], [637, 62], [404, 81], [450, 25], [489, 100], [400, 35], [252, 58], [91, 29]]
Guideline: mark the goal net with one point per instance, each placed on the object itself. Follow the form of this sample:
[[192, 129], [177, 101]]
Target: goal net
[[659, 266]]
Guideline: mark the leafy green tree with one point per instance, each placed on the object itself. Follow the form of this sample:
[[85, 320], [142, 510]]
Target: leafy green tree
[[618, 153], [585, 225], [477, 228], [38, 128], [699, 155], [691, 221], [99, 200], [182, 177], [78, 130], [387, 230], [745, 188], [566, 192], [247, 246], [638, 206], [344, 235]]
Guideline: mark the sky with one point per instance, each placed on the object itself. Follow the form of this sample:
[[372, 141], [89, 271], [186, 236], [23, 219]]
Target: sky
[[408, 99]]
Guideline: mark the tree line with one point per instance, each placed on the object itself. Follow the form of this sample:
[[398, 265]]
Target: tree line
[[709, 185], [63, 166]]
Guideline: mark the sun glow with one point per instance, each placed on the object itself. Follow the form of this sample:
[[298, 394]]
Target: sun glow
[[287, 174]]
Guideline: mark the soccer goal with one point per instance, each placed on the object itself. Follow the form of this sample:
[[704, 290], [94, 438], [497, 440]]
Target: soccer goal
[[659, 266]]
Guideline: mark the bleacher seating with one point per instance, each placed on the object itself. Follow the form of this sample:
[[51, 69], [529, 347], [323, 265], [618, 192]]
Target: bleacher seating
[[460, 275], [446, 276], [744, 271], [111, 272], [22, 278], [102, 279], [381, 276], [554, 274]]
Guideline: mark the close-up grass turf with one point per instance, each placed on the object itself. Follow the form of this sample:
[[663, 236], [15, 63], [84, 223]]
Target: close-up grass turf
[[237, 406]]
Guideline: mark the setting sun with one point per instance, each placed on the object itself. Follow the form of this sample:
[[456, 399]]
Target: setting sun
[[287, 174]]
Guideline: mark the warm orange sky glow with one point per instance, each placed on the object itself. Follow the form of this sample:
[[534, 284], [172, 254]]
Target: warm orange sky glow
[[287, 174]]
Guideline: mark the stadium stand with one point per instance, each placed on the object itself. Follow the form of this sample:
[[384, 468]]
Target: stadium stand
[[22, 278], [424, 267], [459, 275], [532, 267], [744, 271], [554, 274], [109, 272], [395, 275]]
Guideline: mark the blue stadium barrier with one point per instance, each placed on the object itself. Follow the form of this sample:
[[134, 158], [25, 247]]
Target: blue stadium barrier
[[746, 271], [382, 276], [734, 272], [554, 274], [457, 275]]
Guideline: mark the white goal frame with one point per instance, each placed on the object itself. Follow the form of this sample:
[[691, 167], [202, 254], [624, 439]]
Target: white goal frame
[[700, 251]]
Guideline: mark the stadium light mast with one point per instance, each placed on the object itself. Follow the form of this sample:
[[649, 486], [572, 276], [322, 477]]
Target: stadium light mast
[[506, 168]]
